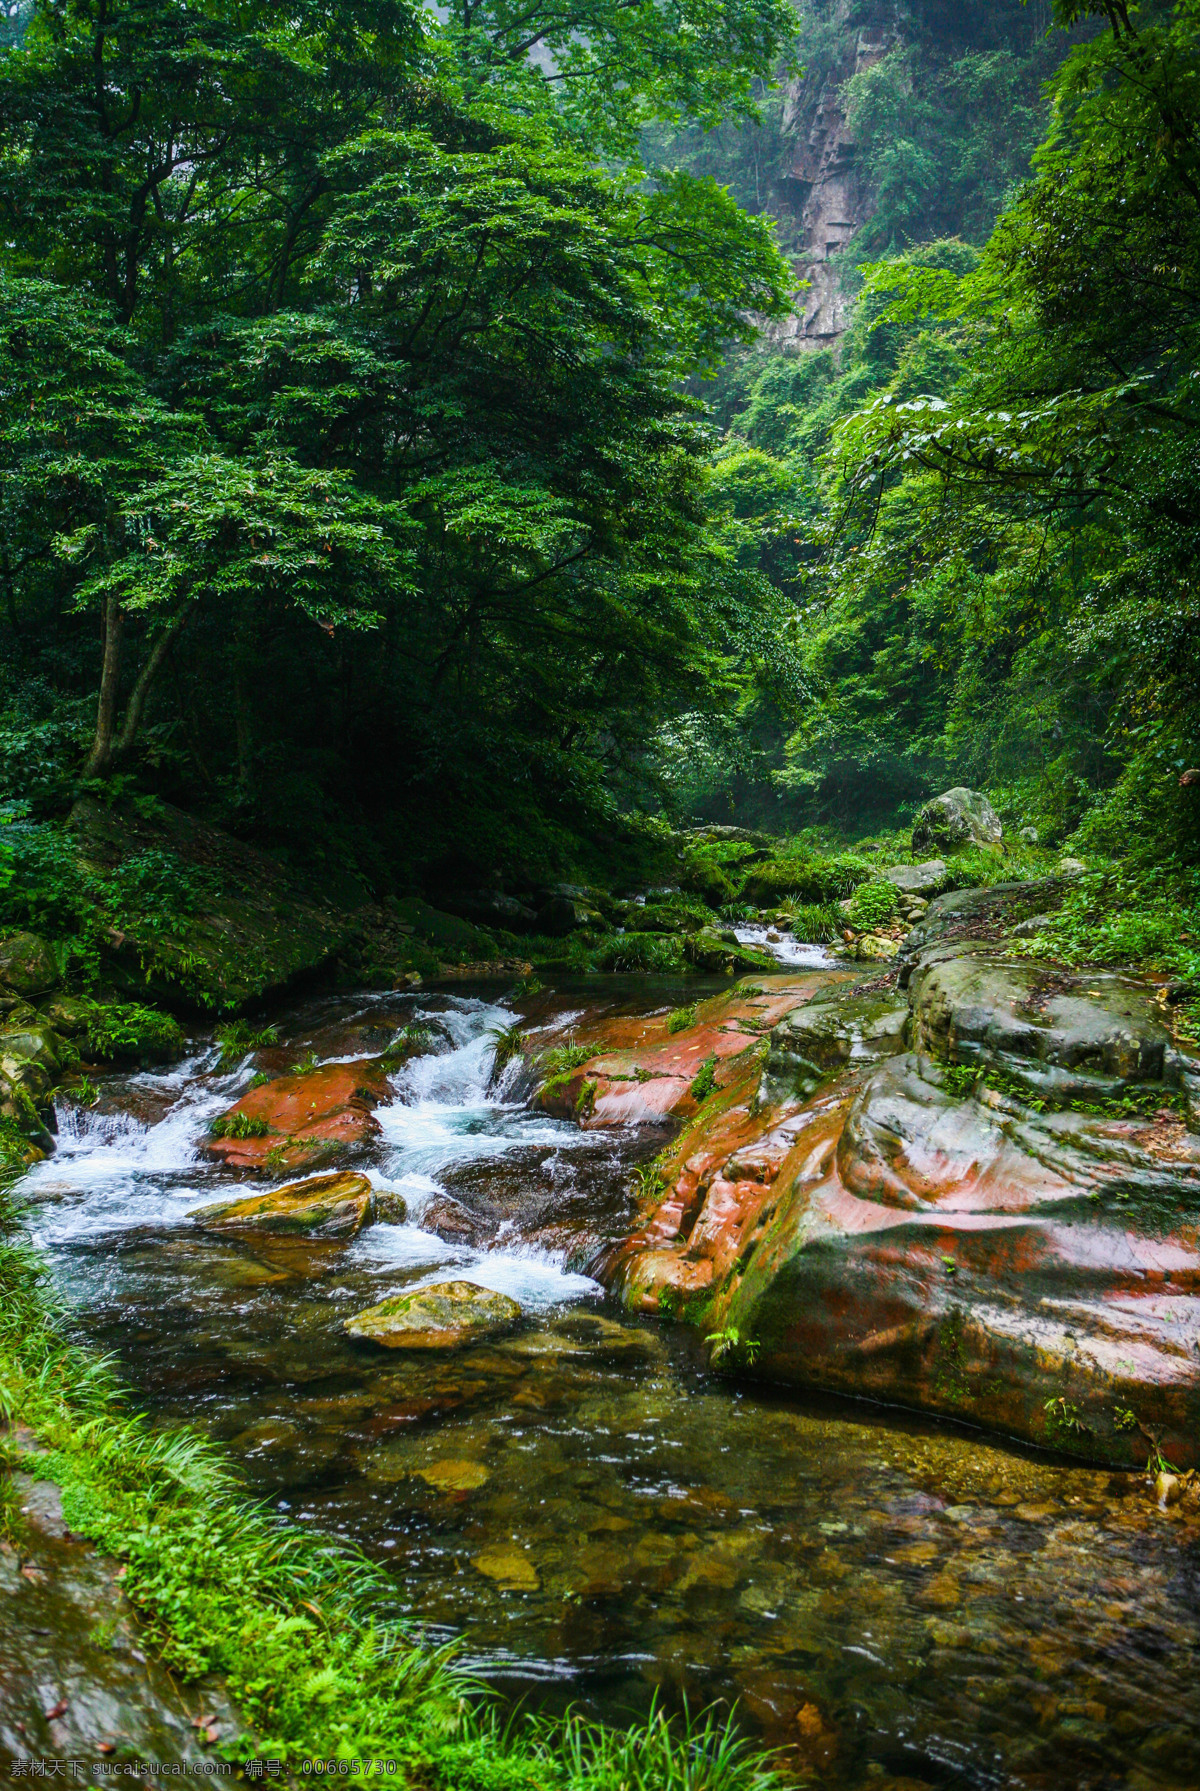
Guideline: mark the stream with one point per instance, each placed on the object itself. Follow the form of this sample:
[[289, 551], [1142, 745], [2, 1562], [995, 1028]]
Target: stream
[[893, 1602]]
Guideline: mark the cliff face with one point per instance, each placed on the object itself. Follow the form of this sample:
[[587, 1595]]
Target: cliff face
[[822, 197]]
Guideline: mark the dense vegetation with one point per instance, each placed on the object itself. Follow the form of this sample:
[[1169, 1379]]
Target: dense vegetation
[[391, 475], [344, 453]]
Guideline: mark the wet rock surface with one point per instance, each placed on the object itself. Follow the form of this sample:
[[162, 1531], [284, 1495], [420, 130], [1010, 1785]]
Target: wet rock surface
[[78, 1681], [597, 1512], [326, 1207], [447, 1315], [980, 1206], [303, 1120]]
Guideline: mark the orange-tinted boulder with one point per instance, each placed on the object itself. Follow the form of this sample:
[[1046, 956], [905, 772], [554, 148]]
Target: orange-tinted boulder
[[303, 1121], [644, 1074], [324, 1207], [949, 1233]]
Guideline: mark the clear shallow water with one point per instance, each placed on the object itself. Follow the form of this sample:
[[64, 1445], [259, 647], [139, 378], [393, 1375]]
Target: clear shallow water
[[891, 1602]]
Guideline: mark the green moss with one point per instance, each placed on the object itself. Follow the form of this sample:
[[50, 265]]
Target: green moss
[[702, 1082], [682, 1018]]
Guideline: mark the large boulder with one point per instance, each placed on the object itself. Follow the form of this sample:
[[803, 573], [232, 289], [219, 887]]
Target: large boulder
[[255, 926], [324, 1207], [447, 1315], [302, 1121], [28, 967], [988, 1208], [955, 819], [927, 879]]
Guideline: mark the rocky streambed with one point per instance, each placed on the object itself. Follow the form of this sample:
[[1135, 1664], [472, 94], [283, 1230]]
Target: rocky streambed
[[971, 1198]]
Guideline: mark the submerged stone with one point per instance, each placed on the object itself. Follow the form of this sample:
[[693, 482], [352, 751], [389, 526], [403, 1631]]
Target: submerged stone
[[509, 1566], [325, 1207], [446, 1315]]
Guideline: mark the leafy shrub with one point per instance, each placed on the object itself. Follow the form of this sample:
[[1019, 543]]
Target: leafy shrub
[[126, 1029], [238, 1037], [648, 953], [815, 923], [874, 905], [239, 1125], [682, 1018]]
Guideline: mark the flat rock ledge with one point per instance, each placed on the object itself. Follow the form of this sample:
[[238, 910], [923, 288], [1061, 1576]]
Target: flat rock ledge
[[980, 1198]]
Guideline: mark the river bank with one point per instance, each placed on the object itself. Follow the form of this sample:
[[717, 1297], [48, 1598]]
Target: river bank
[[599, 1513]]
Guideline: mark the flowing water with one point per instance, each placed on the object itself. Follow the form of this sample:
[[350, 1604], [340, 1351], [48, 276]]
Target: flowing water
[[893, 1603]]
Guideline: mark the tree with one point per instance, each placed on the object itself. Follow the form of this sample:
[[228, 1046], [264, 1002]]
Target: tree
[[401, 366]]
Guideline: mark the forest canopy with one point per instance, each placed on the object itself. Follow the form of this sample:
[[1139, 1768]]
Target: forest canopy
[[343, 447], [391, 454]]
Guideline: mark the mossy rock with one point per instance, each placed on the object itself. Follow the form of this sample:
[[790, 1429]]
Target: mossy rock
[[28, 967], [255, 928], [446, 932], [323, 1206], [447, 1315]]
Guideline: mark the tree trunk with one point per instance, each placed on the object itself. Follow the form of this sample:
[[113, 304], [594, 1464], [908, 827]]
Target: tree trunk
[[99, 760], [110, 748]]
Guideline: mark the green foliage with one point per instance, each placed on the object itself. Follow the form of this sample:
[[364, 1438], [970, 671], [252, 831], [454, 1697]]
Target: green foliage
[[816, 923], [560, 1060], [301, 1628], [874, 904], [305, 1065], [803, 879], [681, 1019], [238, 1125], [730, 1347], [126, 1029], [644, 953], [507, 1042], [362, 346], [238, 1037], [705, 1077]]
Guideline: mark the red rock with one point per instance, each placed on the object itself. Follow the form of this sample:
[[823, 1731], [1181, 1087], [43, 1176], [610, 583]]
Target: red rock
[[312, 1118], [1036, 1272]]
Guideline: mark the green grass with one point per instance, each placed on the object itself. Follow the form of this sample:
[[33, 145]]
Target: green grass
[[559, 1060], [301, 1627], [507, 1042], [815, 923], [645, 953], [682, 1018], [237, 1038], [238, 1125]]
